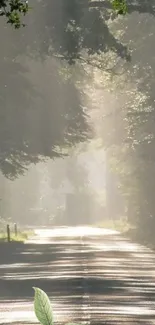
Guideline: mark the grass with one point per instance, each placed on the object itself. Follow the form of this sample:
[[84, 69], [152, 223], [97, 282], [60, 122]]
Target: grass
[[121, 224], [21, 236], [136, 234], [142, 236]]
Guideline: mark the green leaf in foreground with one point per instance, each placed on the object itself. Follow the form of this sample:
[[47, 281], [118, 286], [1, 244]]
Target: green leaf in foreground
[[42, 307]]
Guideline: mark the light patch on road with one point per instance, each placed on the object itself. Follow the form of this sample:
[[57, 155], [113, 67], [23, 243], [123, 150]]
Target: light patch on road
[[122, 246], [18, 316], [17, 312], [28, 316], [44, 236], [73, 232]]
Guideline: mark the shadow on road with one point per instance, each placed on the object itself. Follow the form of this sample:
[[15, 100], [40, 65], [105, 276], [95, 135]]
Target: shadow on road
[[94, 279]]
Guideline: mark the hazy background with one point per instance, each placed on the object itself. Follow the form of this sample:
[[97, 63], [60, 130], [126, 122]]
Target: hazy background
[[77, 114]]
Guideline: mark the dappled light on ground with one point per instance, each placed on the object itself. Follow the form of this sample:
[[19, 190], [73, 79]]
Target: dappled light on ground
[[91, 275]]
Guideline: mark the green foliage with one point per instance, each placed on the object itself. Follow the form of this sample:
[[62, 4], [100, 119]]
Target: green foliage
[[120, 6], [22, 236], [13, 10], [42, 307], [122, 224]]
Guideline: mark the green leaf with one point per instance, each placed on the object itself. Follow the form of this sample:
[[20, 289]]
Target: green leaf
[[42, 307], [120, 6]]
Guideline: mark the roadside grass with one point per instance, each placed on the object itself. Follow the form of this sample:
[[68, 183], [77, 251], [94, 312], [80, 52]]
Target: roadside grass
[[142, 236], [20, 237], [137, 234], [122, 225]]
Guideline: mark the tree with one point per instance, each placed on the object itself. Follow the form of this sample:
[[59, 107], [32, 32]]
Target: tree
[[13, 10], [34, 120], [28, 132], [39, 109], [128, 115]]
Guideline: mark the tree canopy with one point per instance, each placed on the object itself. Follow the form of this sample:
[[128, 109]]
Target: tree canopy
[[14, 10], [66, 31]]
